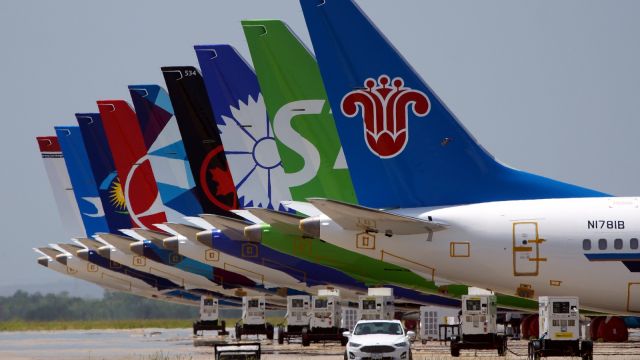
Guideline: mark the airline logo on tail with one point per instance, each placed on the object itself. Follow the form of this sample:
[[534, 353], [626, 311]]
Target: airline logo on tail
[[216, 181], [385, 113]]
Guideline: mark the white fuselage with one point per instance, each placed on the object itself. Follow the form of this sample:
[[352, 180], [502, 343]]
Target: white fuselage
[[528, 248]]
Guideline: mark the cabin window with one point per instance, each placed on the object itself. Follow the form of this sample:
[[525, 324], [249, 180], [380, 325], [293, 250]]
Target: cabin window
[[617, 244], [633, 244], [586, 244], [602, 244]]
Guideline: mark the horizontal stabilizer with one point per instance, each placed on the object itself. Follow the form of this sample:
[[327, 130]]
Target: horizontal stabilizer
[[70, 248], [52, 253], [302, 207], [273, 216], [225, 223], [151, 234], [186, 231], [89, 243], [355, 217], [44, 261], [199, 222], [155, 237], [121, 243], [280, 220], [247, 216]]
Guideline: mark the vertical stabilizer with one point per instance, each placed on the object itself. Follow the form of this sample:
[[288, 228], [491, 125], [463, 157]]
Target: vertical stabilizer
[[403, 146], [240, 114], [60, 185], [104, 171], [166, 151], [215, 187], [300, 113], [82, 180], [132, 163]]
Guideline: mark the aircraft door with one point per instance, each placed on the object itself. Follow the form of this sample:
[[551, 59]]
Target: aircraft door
[[526, 249]]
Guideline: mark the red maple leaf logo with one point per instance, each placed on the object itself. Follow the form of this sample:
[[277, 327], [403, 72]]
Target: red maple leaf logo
[[224, 181]]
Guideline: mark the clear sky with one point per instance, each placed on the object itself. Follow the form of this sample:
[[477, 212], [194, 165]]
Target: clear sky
[[550, 87]]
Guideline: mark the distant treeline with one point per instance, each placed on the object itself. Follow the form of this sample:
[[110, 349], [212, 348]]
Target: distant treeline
[[113, 306]]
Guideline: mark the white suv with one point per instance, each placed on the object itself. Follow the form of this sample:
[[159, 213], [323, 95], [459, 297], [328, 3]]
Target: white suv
[[379, 339]]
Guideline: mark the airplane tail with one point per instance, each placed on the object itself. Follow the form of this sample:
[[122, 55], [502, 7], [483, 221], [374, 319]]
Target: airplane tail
[[215, 187], [56, 170], [403, 146], [245, 130], [104, 171], [166, 151], [298, 107], [132, 163], [82, 180]]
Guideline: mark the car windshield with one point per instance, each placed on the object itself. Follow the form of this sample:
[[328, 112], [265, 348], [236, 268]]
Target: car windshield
[[381, 327]]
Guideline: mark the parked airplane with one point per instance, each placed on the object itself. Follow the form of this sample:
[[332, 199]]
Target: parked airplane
[[250, 144], [70, 214], [296, 99], [201, 136], [450, 205], [151, 135]]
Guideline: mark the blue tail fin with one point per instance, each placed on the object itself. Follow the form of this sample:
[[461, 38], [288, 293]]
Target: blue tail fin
[[245, 130], [404, 148], [104, 171], [82, 180]]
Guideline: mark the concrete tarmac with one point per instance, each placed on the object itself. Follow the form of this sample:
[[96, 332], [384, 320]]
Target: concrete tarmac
[[178, 344]]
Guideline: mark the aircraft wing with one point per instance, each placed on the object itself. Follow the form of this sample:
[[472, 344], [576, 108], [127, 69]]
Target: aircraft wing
[[356, 217]]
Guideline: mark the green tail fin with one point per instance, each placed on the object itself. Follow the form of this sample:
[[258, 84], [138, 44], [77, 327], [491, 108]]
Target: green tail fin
[[299, 110]]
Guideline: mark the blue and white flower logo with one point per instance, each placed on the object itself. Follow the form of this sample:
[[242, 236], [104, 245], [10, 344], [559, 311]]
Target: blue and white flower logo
[[252, 155]]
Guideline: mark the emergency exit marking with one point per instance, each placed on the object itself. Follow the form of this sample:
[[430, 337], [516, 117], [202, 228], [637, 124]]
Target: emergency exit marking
[[249, 250], [555, 282], [92, 267], [365, 240], [211, 255], [175, 258], [459, 249], [139, 260], [301, 246]]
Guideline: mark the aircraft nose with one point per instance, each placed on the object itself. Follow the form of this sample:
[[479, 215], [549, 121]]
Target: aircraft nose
[[137, 248]]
